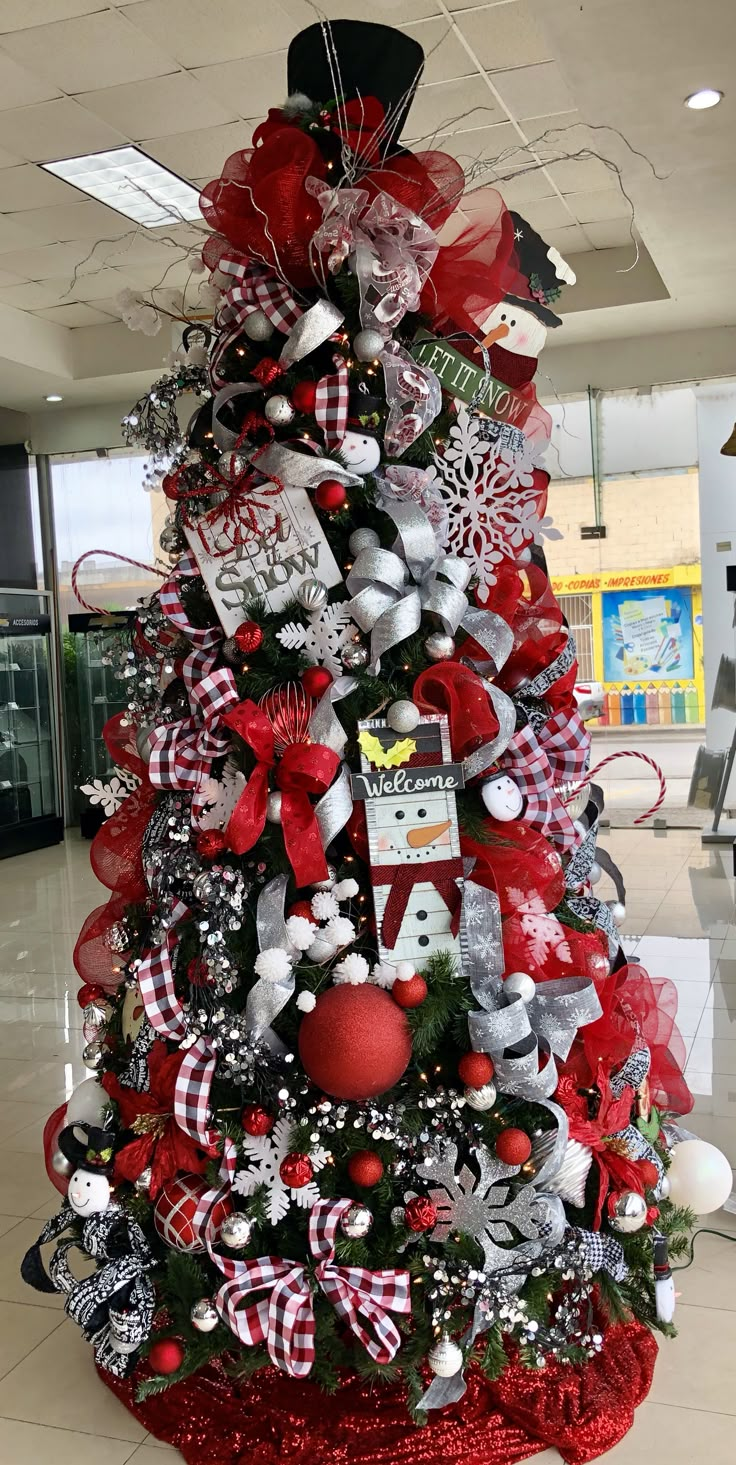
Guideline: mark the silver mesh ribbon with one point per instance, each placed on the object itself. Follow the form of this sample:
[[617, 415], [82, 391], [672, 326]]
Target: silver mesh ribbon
[[267, 998], [312, 329], [301, 470]]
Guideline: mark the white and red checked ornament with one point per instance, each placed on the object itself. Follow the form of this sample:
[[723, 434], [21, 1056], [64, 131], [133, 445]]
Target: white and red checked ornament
[[180, 1217]]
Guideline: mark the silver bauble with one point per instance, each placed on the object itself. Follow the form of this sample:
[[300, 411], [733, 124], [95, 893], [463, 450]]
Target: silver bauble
[[439, 646], [170, 539], [630, 1212], [232, 465], [521, 984], [368, 344], [60, 1165], [257, 326], [594, 873], [618, 911], [363, 539], [354, 657], [569, 1181], [402, 717], [311, 595], [445, 1358], [357, 1222], [273, 807], [482, 1098], [329, 882], [278, 410], [664, 1188], [236, 1231], [203, 887], [204, 1315], [143, 1182], [231, 651], [93, 1056]]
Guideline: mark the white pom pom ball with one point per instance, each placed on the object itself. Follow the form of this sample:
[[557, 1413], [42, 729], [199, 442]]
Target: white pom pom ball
[[405, 970], [353, 969], [700, 1176], [306, 1001], [300, 932], [273, 964], [345, 889], [340, 930], [324, 905]]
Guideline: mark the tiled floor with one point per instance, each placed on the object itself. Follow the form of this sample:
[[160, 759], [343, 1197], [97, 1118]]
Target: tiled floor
[[54, 1410]]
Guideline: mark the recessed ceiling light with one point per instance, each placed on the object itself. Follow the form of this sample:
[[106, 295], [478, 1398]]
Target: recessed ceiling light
[[702, 100], [53, 397], [132, 183]]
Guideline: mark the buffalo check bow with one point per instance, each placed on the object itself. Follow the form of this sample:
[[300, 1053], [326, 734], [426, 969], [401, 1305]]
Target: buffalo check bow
[[331, 403], [254, 287], [284, 1318], [537, 762]]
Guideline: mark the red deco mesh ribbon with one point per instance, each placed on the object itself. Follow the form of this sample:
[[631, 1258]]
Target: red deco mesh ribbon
[[303, 769], [458, 691], [270, 1419], [469, 276]]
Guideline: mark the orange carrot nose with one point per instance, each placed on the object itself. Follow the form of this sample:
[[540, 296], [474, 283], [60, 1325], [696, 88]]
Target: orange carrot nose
[[497, 334], [426, 834]]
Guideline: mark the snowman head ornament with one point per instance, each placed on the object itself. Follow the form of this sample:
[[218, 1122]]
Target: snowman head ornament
[[90, 1150], [503, 798], [360, 448], [519, 323]]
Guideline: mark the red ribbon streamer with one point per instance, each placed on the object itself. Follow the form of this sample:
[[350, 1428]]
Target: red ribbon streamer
[[442, 874]]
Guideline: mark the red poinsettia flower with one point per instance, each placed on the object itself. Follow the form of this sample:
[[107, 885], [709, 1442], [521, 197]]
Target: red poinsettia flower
[[160, 1142], [616, 1169]]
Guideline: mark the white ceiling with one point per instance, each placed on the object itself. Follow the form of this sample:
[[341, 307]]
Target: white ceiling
[[512, 85]]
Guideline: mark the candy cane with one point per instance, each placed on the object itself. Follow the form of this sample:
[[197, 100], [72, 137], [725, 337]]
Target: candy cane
[[111, 555], [611, 758]]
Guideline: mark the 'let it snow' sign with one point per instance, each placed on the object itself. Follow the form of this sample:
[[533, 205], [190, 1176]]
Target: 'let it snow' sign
[[469, 383]]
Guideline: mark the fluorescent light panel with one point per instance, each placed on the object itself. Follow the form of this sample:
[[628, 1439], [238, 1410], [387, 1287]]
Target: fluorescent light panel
[[127, 180]]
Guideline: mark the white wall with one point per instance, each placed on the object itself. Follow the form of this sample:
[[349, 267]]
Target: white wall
[[716, 413]]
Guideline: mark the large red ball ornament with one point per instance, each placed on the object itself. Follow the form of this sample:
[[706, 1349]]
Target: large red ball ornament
[[296, 1170], [303, 908], [513, 1146], [410, 994], [256, 1121], [475, 1069], [331, 494], [166, 1355], [176, 1210], [316, 680], [355, 1043], [304, 396], [365, 1168]]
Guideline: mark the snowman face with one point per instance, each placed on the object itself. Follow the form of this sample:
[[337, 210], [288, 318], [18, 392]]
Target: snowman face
[[88, 1193], [361, 452], [517, 330], [415, 830], [503, 798]]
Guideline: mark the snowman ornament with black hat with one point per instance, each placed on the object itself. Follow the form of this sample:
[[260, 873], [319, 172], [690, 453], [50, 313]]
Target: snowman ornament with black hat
[[92, 1155], [517, 327]]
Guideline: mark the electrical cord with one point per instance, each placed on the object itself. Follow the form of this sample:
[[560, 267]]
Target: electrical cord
[[702, 1231]]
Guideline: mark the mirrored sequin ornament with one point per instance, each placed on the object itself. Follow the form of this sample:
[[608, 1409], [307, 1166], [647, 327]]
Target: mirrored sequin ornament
[[355, 656], [311, 595], [170, 538], [357, 1222], [232, 465], [204, 1315]]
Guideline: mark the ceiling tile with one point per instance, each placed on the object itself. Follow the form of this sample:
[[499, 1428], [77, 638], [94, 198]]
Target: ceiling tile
[[157, 107], [173, 272], [60, 223], [13, 236], [54, 130], [547, 213], [504, 35], [564, 130], [452, 106], [9, 160], [36, 295], [20, 88], [199, 153], [386, 12], [29, 187], [18, 15], [445, 58], [232, 29], [480, 144], [580, 175], [48, 262], [10, 281], [76, 314], [610, 234], [252, 85], [90, 52], [526, 187], [534, 91], [570, 240], [593, 208]]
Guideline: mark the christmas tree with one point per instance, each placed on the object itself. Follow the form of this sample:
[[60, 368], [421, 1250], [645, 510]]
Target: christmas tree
[[378, 1105]]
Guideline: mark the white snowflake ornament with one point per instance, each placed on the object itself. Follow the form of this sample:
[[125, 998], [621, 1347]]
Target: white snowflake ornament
[[221, 796], [266, 1153], [326, 635], [112, 794]]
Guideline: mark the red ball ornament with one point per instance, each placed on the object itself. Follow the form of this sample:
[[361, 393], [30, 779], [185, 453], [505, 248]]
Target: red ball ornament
[[176, 1209], [420, 1214], [166, 1355], [331, 494], [296, 1170], [365, 1168], [210, 843], [410, 994], [355, 1043], [248, 637], [303, 908], [304, 396], [513, 1146], [475, 1069], [256, 1120], [316, 680]]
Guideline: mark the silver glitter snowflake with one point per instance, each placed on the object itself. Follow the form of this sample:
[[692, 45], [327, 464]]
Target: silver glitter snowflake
[[480, 1207]]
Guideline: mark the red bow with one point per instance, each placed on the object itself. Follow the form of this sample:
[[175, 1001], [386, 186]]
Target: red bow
[[304, 769]]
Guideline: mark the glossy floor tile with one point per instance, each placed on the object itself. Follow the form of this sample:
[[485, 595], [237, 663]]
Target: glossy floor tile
[[681, 923]]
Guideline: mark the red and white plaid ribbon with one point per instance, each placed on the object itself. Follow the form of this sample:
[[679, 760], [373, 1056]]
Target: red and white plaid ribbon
[[537, 762], [182, 752], [284, 1319], [331, 403], [256, 288]]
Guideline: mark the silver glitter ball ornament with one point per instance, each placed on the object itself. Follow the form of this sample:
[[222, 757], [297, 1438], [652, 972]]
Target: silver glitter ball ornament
[[203, 887], [231, 651], [311, 595], [521, 984], [482, 1098], [402, 717], [143, 1182], [273, 807], [232, 465], [354, 657], [204, 1315], [368, 344], [93, 1056], [629, 1214], [357, 1222], [236, 1231], [439, 646], [329, 882], [117, 938], [278, 410], [444, 1357], [170, 539], [257, 327], [363, 539], [60, 1165]]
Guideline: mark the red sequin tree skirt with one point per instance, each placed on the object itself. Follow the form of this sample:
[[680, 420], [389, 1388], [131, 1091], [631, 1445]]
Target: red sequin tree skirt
[[273, 1420]]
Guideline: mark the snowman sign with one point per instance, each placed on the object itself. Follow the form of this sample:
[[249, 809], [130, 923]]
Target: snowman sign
[[408, 784]]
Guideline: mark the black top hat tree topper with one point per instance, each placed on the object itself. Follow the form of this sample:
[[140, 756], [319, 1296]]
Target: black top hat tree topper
[[350, 59]]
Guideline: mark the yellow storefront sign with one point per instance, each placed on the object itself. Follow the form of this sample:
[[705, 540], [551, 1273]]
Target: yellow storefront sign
[[670, 576]]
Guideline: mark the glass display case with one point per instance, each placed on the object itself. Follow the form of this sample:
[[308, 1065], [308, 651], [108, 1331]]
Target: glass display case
[[30, 815], [95, 648]]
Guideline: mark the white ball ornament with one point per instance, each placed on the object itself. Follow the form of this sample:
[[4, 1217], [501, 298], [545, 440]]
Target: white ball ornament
[[368, 344], [204, 1315], [439, 646], [700, 1176], [594, 873], [403, 717], [258, 327], [502, 798], [521, 984], [278, 410], [445, 1358], [481, 1099], [618, 911], [360, 452], [87, 1104], [88, 1193], [363, 539]]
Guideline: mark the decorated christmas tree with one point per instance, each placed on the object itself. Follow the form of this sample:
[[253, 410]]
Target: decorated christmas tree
[[377, 1104]]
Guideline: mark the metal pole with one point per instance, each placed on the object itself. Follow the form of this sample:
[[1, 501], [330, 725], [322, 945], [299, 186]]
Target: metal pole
[[51, 584]]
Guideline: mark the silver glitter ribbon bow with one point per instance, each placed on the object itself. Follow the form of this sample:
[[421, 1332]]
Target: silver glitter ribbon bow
[[268, 998]]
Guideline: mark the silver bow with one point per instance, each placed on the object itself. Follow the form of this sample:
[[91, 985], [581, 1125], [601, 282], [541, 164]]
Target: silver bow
[[267, 998]]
